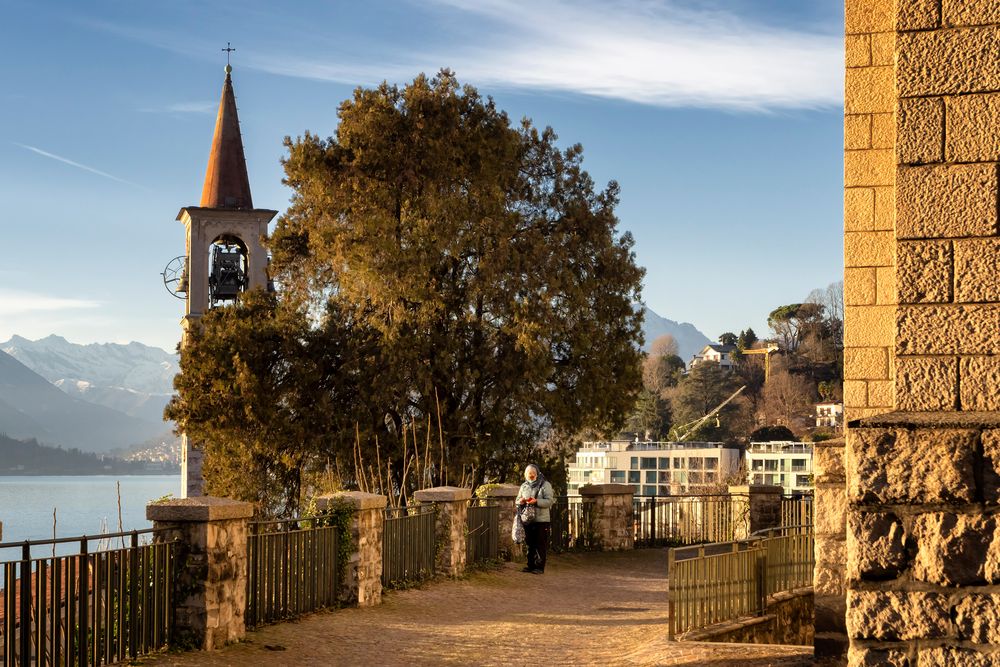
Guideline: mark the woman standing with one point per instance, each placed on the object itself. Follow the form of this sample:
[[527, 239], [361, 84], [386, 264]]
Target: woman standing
[[535, 492]]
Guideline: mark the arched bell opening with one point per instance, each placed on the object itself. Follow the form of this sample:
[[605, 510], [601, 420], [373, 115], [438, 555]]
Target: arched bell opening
[[228, 263]]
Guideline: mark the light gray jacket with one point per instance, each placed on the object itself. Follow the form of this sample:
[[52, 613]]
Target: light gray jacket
[[544, 497]]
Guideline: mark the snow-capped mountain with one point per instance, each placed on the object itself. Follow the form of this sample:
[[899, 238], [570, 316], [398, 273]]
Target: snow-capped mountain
[[134, 379]]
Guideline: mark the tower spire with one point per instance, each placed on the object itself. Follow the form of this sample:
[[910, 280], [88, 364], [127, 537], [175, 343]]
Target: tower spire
[[226, 182]]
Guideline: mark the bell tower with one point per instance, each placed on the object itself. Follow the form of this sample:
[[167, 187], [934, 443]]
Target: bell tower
[[224, 246]]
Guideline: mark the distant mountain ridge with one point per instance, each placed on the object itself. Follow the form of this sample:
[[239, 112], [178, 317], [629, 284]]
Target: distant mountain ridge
[[32, 407], [135, 379], [690, 341]]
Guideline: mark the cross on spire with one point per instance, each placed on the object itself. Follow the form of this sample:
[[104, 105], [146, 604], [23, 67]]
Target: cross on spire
[[228, 50]]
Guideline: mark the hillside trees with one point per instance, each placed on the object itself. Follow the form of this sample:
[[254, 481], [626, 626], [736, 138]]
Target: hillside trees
[[465, 270]]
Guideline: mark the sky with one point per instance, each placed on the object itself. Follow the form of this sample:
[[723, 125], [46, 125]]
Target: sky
[[720, 119]]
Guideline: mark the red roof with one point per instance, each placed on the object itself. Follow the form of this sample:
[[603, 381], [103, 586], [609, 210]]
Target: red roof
[[226, 181]]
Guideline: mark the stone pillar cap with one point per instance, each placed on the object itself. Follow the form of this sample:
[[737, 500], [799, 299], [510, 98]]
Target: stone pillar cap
[[442, 494], [502, 491], [202, 508], [607, 490], [359, 500]]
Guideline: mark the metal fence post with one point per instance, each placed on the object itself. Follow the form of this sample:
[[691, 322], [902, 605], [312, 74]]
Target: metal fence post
[[671, 597]]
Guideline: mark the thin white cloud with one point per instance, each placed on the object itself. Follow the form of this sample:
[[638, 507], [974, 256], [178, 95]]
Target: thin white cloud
[[84, 167], [653, 52], [14, 302], [183, 107]]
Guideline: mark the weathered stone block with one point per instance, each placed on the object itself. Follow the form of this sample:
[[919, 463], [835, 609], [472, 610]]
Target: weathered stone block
[[944, 656], [920, 130], [978, 618], [868, 248], [876, 546], [924, 271], [977, 270], [828, 462], [857, 51], [885, 285], [885, 209], [855, 392], [860, 286], [897, 615], [883, 50], [857, 131], [881, 393], [883, 130], [869, 16], [991, 467], [980, 383], [907, 466], [956, 329], [831, 555], [866, 363], [869, 326], [970, 12], [870, 167], [941, 201], [947, 62], [871, 657], [951, 548], [973, 128], [926, 384], [859, 209], [831, 510], [917, 14]]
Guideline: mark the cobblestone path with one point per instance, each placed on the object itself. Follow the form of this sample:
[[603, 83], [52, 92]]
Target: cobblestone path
[[587, 609]]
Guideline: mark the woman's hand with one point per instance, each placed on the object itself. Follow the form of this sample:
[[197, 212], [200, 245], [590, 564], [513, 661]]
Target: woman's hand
[[530, 501]]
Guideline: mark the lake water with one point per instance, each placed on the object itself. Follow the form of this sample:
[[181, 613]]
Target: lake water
[[85, 505]]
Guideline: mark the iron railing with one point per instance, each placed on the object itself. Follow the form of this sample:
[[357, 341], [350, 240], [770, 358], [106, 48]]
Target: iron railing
[[723, 582], [408, 545], [571, 526], [90, 608], [293, 567], [482, 540], [673, 520], [797, 510]]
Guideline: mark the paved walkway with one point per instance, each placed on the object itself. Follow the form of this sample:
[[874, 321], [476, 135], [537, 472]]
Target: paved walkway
[[587, 609]]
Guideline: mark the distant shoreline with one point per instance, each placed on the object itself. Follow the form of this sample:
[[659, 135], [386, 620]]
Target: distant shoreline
[[130, 473]]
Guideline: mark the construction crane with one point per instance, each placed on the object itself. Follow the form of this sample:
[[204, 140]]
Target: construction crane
[[767, 352], [684, 431]]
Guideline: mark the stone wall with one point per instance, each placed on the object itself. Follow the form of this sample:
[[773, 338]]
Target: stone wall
[[788, 619], [830, 534], [609, 508], [362, 583], [921, 482], [452, 511], [504, 495]]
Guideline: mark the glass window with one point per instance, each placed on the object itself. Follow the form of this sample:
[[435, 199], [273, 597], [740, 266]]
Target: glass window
[[633, 476], [802, 480], [678, 462], [758, 479], [771, 464], [709, 477], [649, 490], [638, 489], [664, 490], [664, 463], [712, 463], [757, 464], [617, 476], [635, 463], [650, 477], [694, 478], [798, 464], [647, 463], [664, 477], [694, 463]]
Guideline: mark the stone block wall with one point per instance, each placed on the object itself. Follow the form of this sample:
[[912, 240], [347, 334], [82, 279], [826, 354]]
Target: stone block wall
[[755, 508], [504, 495], [869, 208], [830, 535], [787, 619], [609, 507]]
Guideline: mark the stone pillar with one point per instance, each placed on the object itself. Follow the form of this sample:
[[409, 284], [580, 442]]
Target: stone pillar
[[923, 482], [608, 509], [755, 508], [451, 505], [210, 577], [504, 495], [830, 533], [362, 584]]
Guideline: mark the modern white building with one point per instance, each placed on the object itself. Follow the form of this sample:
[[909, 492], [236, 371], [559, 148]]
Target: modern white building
[[785, 464], [720, 354], [830, 414], [653, 468]]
